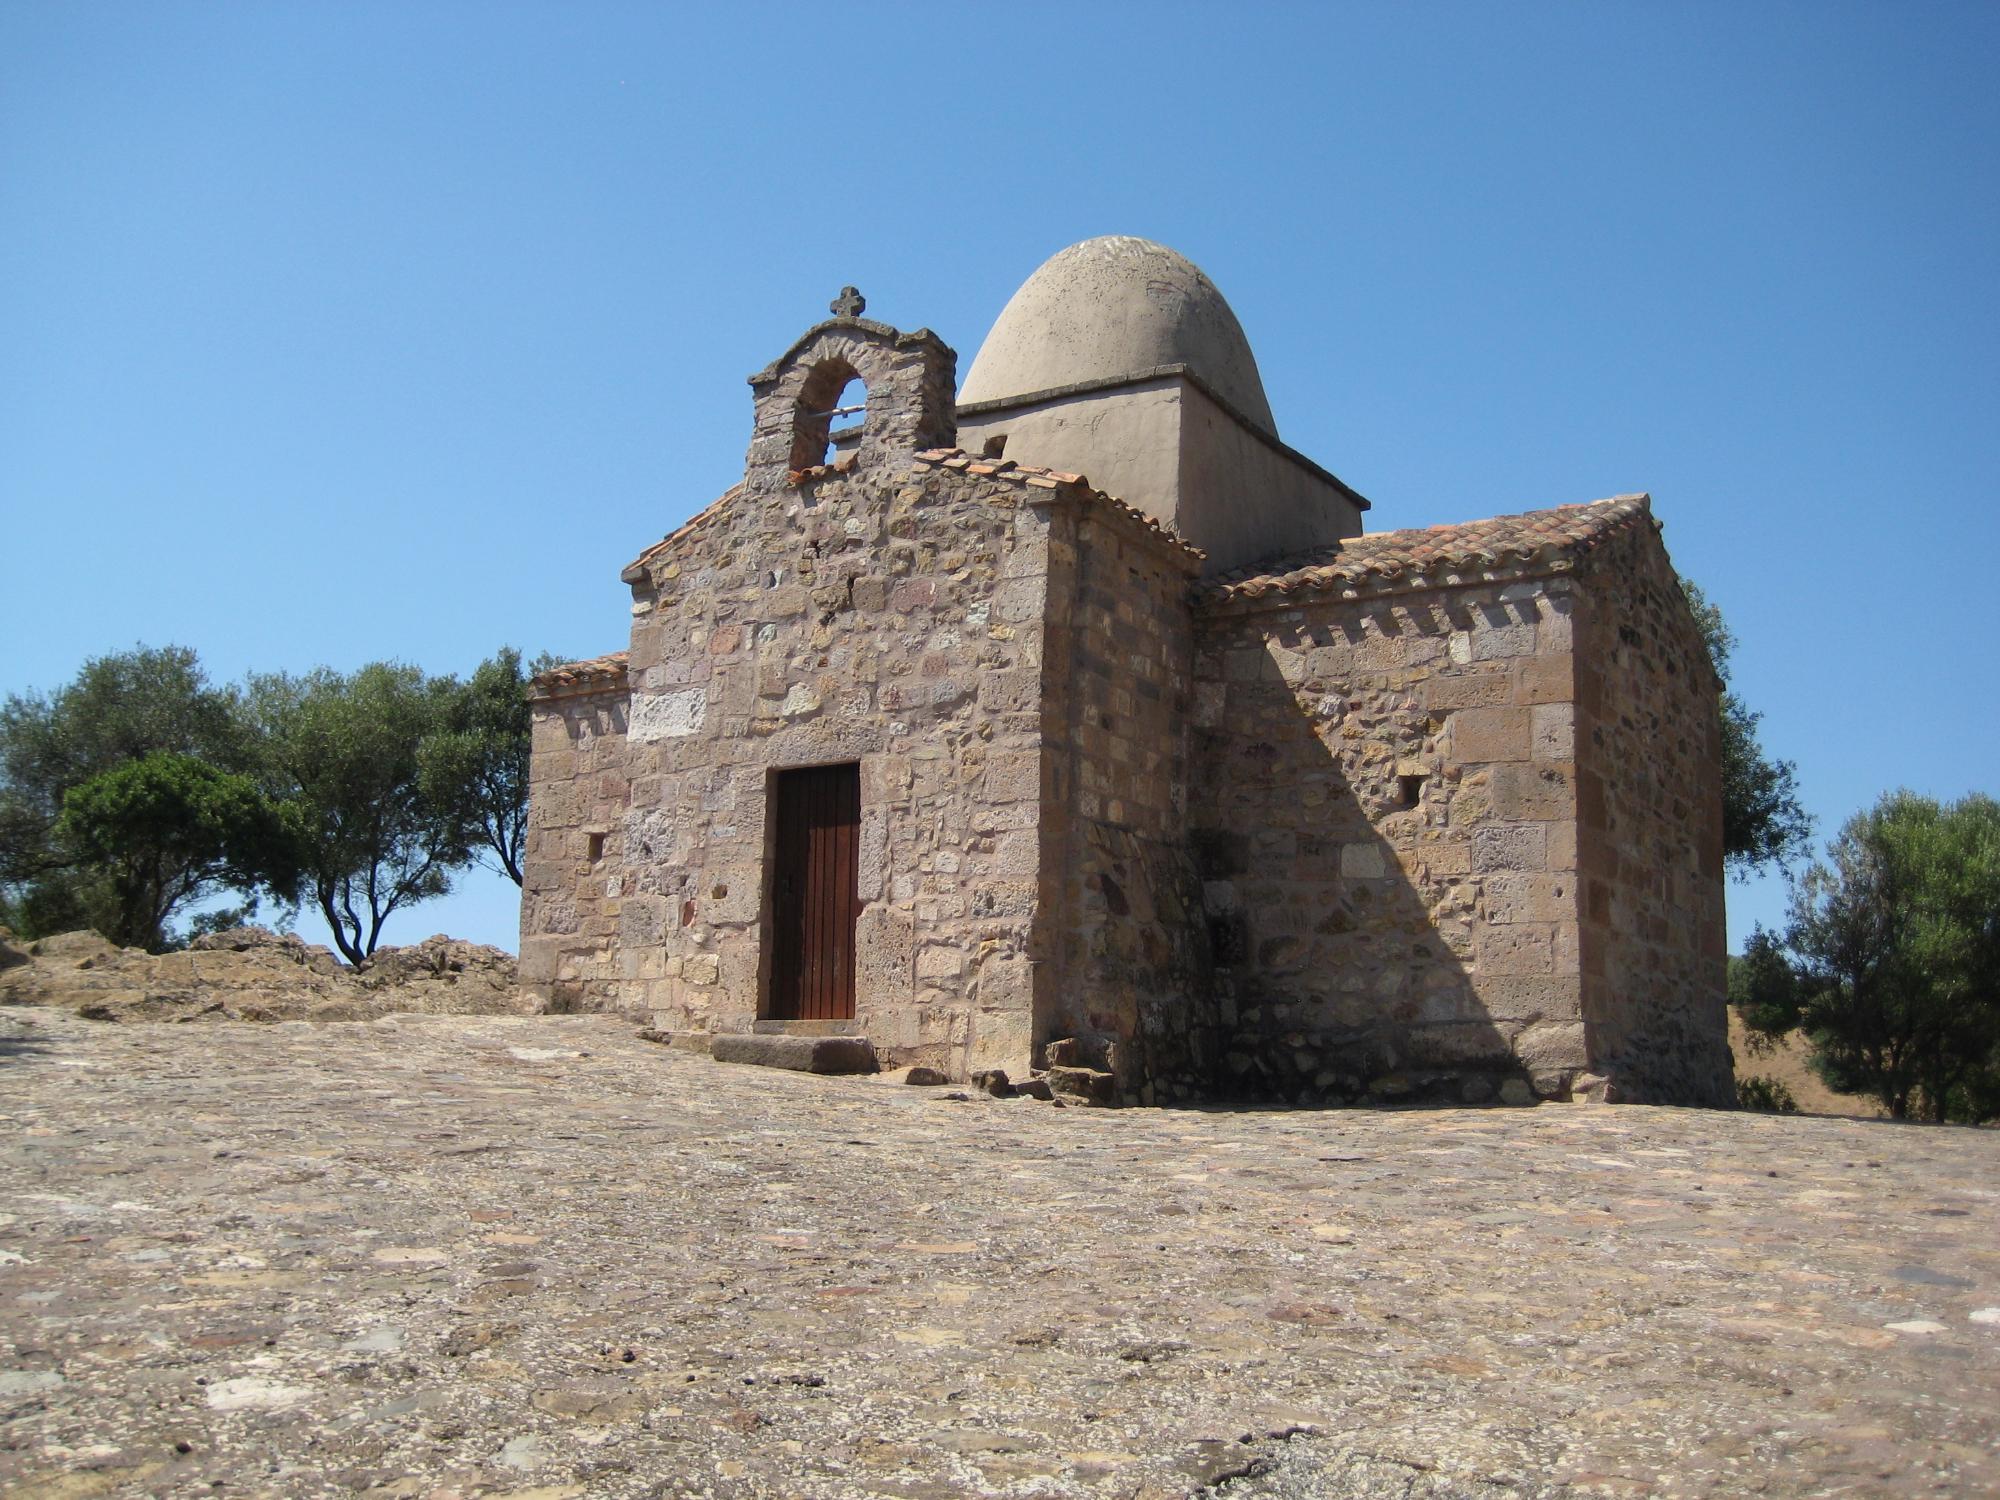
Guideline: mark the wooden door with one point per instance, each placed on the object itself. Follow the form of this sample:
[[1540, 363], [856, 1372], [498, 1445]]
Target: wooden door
[[813, 901]]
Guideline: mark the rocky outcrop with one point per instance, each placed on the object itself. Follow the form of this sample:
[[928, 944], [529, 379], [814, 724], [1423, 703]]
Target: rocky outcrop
[[253, 974]]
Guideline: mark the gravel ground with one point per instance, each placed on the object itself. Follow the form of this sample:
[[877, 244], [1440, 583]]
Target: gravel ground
[[537, 1257]]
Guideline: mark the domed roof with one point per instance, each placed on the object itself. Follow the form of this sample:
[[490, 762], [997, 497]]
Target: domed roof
[[1114, 307]]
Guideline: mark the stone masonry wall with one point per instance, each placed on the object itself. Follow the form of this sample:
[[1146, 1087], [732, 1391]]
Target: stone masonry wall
[[1383, 815], [891, 616], [1650, 772], [1131, 962], [574, 849]]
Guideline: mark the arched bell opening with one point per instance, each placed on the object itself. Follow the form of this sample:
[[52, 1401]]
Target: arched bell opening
[[831, 415]]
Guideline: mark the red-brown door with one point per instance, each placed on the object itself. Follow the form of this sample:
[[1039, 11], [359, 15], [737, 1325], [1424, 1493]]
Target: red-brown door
[[813, 901]]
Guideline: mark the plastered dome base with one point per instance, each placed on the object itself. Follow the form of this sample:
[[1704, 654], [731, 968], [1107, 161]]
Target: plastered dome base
[[1110, 309]]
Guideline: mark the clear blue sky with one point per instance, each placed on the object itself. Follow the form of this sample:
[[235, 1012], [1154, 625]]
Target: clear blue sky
[[335, 332]]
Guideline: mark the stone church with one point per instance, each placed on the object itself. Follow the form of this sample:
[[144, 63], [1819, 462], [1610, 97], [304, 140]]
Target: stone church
[[1174, 775]]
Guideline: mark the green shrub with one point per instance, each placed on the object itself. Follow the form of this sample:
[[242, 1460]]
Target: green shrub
[[1767, 1094]]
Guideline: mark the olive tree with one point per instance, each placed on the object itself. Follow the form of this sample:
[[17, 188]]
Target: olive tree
[[344, 753], [1889, 960], [168, 830], [119, 709]]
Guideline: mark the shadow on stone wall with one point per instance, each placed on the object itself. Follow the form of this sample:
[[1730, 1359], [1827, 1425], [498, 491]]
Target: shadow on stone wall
[[1341, 955]]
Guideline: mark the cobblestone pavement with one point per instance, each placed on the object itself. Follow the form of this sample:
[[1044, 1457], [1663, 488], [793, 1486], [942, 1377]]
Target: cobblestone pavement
[[456, 1256]]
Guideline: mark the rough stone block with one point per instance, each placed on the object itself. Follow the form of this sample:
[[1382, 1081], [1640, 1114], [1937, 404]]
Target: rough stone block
[[1017, 854], [1007, 692], [1490, 734], [1088, 1085], [1466, 690], [1509, 848], [1520, 948], [1014, 776], [1001, 1039], [1545, 679], [1537, 791], [1550, 1046], [1497, 641], [1362, 861], [643, 921], [552, 765], [1554, 632], [1005, 981], [1554, 736], [801, 1054], [1454, 1044], [1531, 997], [1562, 845], [1530, 898], [671, 715], [938, 963], [1447, 857]]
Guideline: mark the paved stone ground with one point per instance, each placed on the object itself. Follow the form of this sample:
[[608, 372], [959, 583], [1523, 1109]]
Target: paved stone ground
[[456, 1256]]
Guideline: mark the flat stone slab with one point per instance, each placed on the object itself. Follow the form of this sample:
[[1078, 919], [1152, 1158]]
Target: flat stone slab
[[802, 1054], [537, 1256]]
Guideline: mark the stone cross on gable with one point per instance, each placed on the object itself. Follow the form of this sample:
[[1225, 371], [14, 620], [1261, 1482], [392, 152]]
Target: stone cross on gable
[[849, 304]]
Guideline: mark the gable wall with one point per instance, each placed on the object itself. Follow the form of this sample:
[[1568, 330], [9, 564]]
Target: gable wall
[[891, 617], [1650, 757], [1365, 949]]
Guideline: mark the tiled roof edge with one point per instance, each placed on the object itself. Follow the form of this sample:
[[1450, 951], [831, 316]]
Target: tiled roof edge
[[635, 570], [1465, 554], [1035, 477], [594, 674]]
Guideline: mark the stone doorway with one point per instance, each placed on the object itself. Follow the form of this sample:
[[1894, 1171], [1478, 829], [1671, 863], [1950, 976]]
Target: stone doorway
[[813, 892]]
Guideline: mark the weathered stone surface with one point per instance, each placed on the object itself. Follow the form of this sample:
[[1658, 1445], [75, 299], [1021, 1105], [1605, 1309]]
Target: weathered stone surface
[[1649, 815], [505, 1254], [802, 1054]]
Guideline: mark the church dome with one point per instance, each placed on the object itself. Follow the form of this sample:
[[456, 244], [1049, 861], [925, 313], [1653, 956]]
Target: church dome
[[1111, 308]]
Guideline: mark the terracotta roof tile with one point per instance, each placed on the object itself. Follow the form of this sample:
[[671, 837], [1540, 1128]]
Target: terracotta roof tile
[[1433, 554], [597, 671], [1051, 479], [796, 477], [698, 522]]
